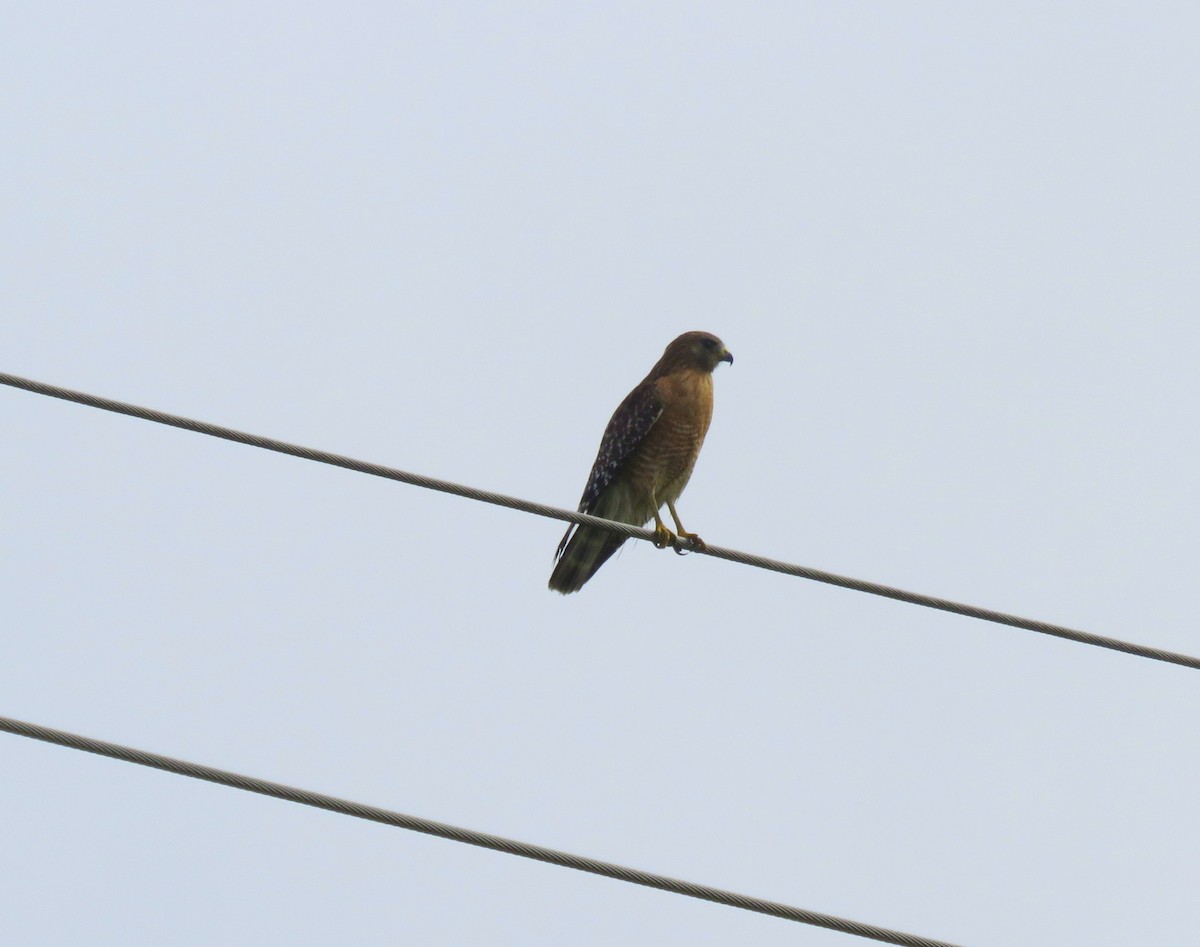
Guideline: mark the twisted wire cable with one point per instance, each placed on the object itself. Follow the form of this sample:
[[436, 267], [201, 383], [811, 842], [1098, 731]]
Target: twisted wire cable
[[468, 836], [570, 516]]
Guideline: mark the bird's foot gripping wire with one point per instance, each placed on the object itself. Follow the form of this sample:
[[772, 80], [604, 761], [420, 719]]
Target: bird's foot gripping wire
[[663, 537], [684, 542]]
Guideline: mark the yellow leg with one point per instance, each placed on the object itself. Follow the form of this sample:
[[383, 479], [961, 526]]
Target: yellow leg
[[663, 537], [683, 533]]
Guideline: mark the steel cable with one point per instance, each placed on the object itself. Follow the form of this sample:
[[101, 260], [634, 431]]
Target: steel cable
[[468, 836], [570, 516]]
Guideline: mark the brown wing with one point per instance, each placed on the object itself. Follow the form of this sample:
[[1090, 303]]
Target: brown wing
[[627, 428], [583, 550]]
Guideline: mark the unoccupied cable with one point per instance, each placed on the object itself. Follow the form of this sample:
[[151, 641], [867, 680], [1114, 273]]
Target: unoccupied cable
[[469, 836]]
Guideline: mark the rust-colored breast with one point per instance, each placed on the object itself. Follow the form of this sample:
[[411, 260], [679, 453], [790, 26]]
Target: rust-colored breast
[[663, 462]]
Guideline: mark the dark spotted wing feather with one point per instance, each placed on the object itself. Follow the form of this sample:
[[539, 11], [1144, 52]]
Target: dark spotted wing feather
[[626, 430]]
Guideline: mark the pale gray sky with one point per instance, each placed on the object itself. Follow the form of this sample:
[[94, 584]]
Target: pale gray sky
[[954, 249]]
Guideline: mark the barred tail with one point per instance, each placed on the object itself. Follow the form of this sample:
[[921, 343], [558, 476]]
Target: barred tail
[[582, 551]]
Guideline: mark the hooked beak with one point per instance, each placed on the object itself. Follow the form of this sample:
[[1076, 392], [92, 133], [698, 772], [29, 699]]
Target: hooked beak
[[726, 356]]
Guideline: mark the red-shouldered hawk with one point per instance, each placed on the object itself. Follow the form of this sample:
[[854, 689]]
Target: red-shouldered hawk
[[646, 457]]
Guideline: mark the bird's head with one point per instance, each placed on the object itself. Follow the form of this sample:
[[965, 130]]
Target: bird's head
[[701, 350]]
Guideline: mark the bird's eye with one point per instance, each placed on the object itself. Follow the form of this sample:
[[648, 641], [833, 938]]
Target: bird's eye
[[710, 343]]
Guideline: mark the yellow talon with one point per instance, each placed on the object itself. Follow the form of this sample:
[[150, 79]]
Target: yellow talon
[[695, 541], [663, 537]]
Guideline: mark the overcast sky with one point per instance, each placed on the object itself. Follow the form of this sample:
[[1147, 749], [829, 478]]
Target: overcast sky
[[954, 249]]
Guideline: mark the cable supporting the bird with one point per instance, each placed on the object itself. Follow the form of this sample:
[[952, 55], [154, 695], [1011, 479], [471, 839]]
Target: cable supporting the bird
[[468, 836], [583, 519]]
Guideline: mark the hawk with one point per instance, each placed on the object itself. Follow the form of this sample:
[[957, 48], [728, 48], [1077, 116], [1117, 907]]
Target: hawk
[[646, 457]]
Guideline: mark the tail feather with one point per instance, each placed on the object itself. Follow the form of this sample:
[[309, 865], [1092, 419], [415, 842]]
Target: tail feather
[[585, 549], [582, 551]]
